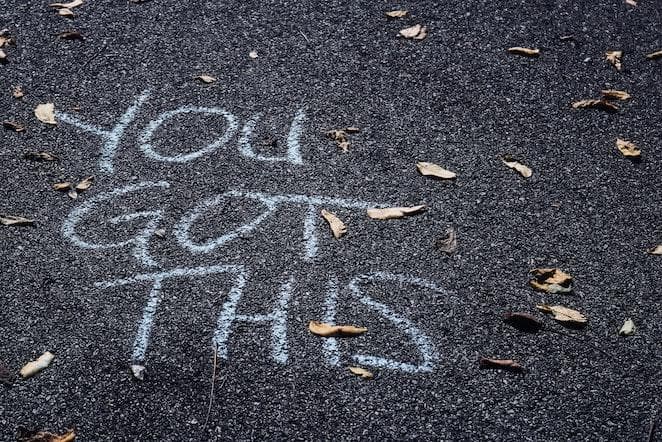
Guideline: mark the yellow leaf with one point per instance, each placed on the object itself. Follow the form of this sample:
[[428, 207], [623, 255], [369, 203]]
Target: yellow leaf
[[416, 32], [85, 183], [656, 250], [654, 55], [551, 281], [337, 226], [615, 94], [397, 14], [523, 170], [34, 367], [365, 374], [614, 57], [45, 113], [596, 104], [395, 212], [563, 314], [431, 169], [627, 148], [70, 5], [528, 52], [326, 330]]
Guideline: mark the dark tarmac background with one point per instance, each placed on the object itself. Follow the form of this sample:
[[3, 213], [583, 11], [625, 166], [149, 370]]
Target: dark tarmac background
[[456, 98]]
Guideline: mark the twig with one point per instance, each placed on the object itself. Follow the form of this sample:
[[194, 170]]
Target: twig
[[304, 35], [211, 392]]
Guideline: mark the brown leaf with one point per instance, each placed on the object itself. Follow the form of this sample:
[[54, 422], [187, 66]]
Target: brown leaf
[[13, 125], [563, 314], [17, 92], [45, 436], [12, 220], [601, 104], [45, 113], [523, 170], [657, 250], [448, 244], [416, 32], [397, 14], [64, 12], [70, 5], [326, 330], [395, 212], [627, 148], [614, 57], [64, 186], [70, 35], [34, 367], [505, 364], [523, 321], [551, 281], [615, 94], [340, 137], [365, 374], [527, 52], [654, 55], [85, 183], [40, 156], [434, 170], [337, 226]]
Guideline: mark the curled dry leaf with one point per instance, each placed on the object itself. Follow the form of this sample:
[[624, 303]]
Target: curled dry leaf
[[505, 364], [70, 35], [527, 52], [64, 12], [12, 220], [13, 125], [601, 104], [657, 250], [395, 212], [45, 436], [138, 372], [614, 57], [337, 226], [206, 78], [253, 54], [434, 170], [45, 113], [523, 321], [563, 314], [397, 14], [615, 94], [628, 328], [326, 330], [40, 156], [627, 148], [416, 32], [448, 244], [34, 367], [551, 281], [70, 5], [17, 92], [654, 55], [365, 374], [85, 183], [523, 170]]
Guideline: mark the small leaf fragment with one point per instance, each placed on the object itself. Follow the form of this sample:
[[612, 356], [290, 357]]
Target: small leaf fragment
[[448, 244], [45, 436], [416, 32], [12, 220], [70, 35], [628, 328], [138, 371], [362, 372], [601, 104], [563, 314], [253, 54], [17, 92], [72, 194], [523, 321], [65, 12], [340, 137], [34, 367], [13, 125], [523, 170], [614, 57], [434, 170], [206, 78], [505, 364], [85, 183], [40, 156], [323, 329], [337, 226], [397, 14], [352, 130], [657, 250], [395, 212], [627, 148], [631, 2], [654, 55], [551, 281], [45, 113], [3, 55], [66, 185], [527, 52], [616, 94], [70, 5]]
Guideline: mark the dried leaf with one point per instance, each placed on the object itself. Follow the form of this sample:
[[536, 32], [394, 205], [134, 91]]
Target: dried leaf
[[340, 137], [13, 125], [654, 55], [615, 94], [5, 375], [614, 57], [397, 14], [352, 130], [40, 156], [628, 328], [601, 104], [85, 183], [431, 169], [72, 194], [34, 367], [45, 113], [64, 12], [416, 32], [5, 38], [12, 220], [449, 243], [631, 2], [138, 372], [551, 281], [563, 314], [395, 212], [627, 148], [365, 374], [206, 78], [421, 35], [70, 5], [523, 321], [45, 436], [527, 52], [17, 92], [505, 364], [523, 170], [64, 186], [70, 35], [326, 330], [337, 226], [253, 54], [657, 250]]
